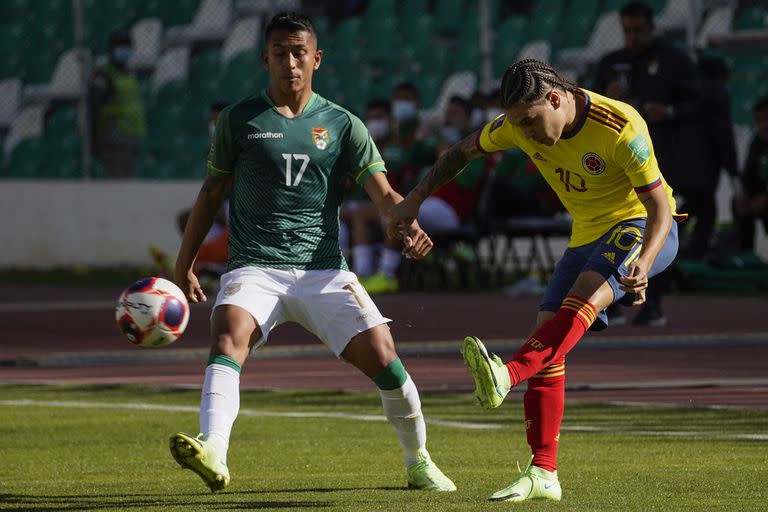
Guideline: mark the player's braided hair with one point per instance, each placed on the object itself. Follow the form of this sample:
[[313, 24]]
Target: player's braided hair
[[528, 80]]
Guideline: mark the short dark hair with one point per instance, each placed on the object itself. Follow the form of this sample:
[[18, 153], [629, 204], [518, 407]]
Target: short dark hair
[[463, 103], [408, 86], [637, 10], [381, 103], [760, 105], [290, 21]]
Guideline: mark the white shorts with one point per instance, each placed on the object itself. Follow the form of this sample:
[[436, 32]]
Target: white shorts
[[331, 304]]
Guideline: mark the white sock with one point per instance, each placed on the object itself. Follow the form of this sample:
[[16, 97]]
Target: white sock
[[390, 261], [402, 408], [219, 405], [362, 260]]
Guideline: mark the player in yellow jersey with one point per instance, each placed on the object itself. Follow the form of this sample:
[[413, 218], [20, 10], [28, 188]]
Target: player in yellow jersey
[[597, 155]]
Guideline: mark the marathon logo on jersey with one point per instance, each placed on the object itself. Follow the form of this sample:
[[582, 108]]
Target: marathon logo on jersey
[[265, 135], [496, 124], [321, 138], [593, 164]]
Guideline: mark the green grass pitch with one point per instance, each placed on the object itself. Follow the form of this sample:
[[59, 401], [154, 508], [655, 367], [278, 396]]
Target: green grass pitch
[[106, 448]]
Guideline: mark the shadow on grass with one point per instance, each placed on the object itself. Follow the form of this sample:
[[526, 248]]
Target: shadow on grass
[[54, 503]]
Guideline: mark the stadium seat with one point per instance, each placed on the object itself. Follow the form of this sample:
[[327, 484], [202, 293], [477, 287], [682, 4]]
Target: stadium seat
[[25, 160], [347, 34], [509, 39], [378, 10], [147, 39], [449, 15], [674, 16], [28, 124], [383, 40], [754, 17], [172, 66], [66, 82], [539, 50], [211, 23], [544, 20], [10, 100], [606, 37], [717, 22], [579, 18], [244, 37]]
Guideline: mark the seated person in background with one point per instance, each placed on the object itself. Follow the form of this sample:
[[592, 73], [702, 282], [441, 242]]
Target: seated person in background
[[450, 207], [750, 204]]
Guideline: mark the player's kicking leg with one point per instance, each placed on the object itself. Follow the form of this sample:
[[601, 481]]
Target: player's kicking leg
[[206, 454], [369, 351]]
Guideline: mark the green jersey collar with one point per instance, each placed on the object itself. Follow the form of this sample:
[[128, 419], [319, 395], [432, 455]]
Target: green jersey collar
[[268, 99]]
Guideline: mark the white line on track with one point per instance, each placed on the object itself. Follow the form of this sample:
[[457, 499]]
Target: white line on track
[[694, 435]]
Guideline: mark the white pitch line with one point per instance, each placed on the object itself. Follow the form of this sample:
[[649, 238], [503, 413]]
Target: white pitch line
[[368, 417]]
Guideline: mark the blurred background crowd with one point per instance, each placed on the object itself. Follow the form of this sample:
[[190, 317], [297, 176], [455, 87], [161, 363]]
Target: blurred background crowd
[[128, 89]]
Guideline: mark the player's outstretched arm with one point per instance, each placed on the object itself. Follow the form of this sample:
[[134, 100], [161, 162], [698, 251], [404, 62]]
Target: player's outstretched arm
[[447, 167], [656, 230], [416, 242], [208, 202]]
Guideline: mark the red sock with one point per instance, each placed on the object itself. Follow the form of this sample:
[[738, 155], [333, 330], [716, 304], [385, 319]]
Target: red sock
[[544, 402], [553, 339]]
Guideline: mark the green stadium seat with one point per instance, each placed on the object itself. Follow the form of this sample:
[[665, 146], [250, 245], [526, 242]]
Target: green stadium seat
[[578, 20], [509, 40], [383, 40], [754, 17], [414, 8], [449, 15], [429, 87], [347, 34], [544, 21], [244, 76], [26, 159], [377, 10]]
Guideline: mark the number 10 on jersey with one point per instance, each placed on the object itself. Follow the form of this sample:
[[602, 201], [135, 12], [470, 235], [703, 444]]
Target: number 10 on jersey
[[289, 158]]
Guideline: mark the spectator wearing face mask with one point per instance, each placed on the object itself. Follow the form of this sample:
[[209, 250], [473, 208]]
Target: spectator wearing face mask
[[447, 209], [118, 112], [399, 149]]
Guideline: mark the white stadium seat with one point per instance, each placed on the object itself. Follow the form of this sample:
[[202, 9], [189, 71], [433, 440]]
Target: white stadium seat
[[147, 39], [211, 23], [10, 99], [244, 37], [66, 82], [173, 65], [28, 123]]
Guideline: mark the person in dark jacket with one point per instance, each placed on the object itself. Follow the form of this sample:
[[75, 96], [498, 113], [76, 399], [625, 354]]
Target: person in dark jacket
[[657, 79], [751, 203]]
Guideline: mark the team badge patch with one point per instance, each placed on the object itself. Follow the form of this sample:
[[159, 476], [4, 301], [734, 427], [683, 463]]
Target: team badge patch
[[640, 148], [232, 289], [497, 122], [321, 138], [593, 164]]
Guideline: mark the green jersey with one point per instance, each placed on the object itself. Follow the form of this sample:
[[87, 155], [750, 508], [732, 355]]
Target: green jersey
[[288, 180]]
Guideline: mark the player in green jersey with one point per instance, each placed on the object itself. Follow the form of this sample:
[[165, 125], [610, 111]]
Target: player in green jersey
[[288, 152]]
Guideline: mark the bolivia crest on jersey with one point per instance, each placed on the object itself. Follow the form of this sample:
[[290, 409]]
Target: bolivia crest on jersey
[[321, 138]]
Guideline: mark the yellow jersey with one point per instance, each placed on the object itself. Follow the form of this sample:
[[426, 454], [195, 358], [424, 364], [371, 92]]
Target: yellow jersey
[[596, 169]]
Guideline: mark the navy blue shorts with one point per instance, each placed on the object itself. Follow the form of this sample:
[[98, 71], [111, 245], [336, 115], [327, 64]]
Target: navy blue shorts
[[609, 256]]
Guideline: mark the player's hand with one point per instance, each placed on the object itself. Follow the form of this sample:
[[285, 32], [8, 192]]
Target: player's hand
[[636, 281], [417, 243], [401, 217], [191, 287]]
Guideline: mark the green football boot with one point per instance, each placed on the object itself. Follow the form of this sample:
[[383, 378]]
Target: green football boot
[[532, 484], [426, 476], [491, 376], [199, 456]]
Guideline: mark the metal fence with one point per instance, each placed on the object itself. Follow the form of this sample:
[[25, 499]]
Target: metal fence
[[189, 54]]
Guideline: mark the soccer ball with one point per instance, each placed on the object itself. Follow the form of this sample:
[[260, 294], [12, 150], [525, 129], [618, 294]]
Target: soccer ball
[[152, 312]]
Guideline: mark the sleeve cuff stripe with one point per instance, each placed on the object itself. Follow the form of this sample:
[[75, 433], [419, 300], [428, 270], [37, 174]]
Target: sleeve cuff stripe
[[213, 168], [362, 171], [649, 187], [477, 142]]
